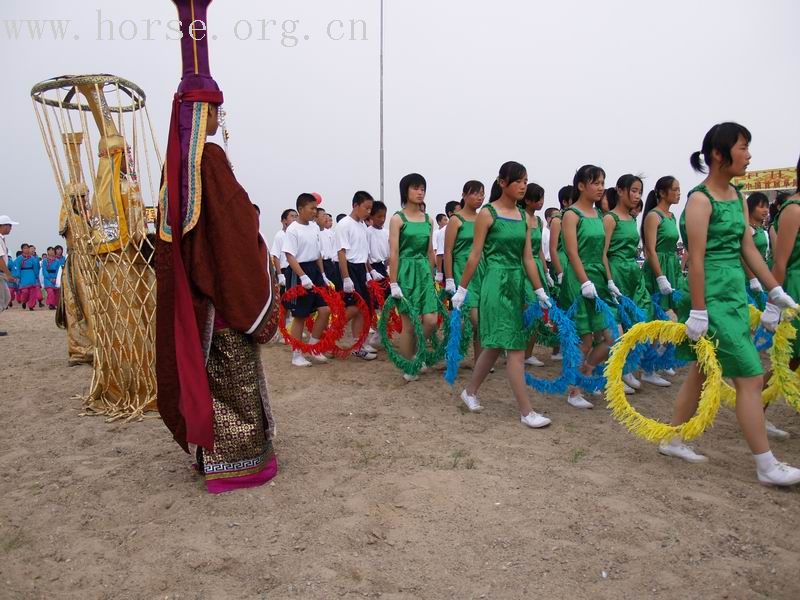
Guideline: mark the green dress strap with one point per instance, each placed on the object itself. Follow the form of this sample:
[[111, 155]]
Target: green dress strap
[[402, 216], [492, 211], [613, 215], [460, 218]]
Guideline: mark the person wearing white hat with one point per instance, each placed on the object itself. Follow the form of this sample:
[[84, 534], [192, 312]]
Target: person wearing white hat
[[6, 225]]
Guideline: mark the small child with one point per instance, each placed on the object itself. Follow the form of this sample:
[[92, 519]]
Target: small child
[[50, 268], [29, 291]]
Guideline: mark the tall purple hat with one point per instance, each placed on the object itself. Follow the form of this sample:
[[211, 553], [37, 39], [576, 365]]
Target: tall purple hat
[[180, 204]]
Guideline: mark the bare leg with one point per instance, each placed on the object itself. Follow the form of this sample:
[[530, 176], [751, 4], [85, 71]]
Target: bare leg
[[484, 363], [750, 412], [296, 328], [688, 396], [323, 314], [407, 340], [429, 324], [515, 367]]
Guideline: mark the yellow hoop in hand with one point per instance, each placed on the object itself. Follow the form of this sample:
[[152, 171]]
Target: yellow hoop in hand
[[653, 430], [784, 380]]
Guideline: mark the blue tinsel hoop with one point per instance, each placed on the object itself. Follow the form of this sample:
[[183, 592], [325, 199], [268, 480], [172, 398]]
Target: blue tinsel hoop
[[666, 359], [570, 350], [454, 352]]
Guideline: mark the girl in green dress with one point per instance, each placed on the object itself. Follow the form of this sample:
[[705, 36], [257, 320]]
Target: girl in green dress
[[502, 240], [662, 267], [585, 274], [714, 225], [533, 201], [411, 262], [625, 277], [457, 247], [558, 254], [758, 209]]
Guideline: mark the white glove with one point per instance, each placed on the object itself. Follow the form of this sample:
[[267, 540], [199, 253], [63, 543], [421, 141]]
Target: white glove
[[347, 286], [397, 293], [440, 278], [282, 280], [549, 279], [755, 285], [780, 298], [459, 297], [560, 277], [664, 286], [541, 295], [770, 317], [306, 282], [612, 287], [369, 277], [588, 290], [697, 324], [326, 280], [376, 276], [450, 286]]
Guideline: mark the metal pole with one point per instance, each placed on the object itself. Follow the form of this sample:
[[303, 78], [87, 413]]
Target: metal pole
[[381, 112]]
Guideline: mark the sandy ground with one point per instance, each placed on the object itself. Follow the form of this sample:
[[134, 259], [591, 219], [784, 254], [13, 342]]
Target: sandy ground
[[386, 490]]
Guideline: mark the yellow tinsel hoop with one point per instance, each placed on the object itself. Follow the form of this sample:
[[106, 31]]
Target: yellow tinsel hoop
[[784, 380], [646, 428]]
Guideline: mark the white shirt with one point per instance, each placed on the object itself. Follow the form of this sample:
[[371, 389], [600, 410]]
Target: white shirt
[[327, 240], [438, 241], [378, 244], [546, 241], [351, 236], [3, 248], [302, 242], [277, 249]]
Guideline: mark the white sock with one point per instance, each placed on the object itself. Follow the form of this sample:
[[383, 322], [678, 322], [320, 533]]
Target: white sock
[[312, 341], [297, 354], [764, 461]]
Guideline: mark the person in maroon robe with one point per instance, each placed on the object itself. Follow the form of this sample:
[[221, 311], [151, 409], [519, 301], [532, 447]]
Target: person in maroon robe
[[216, 290]]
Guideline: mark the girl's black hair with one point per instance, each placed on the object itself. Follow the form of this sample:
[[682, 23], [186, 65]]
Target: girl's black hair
[[472, 187], [586, 174], [663, 185], [360, 197], [512, 171], [757, 199], [377, 207], [780, 198], [565, 195], [450, 207], [409, 181], [625, 182], [721, 137], [533, 193], [496, 191], [797, 174]]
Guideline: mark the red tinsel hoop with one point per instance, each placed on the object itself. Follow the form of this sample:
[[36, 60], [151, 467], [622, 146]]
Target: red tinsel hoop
[[377, 295], [364, 309], [333, 333]]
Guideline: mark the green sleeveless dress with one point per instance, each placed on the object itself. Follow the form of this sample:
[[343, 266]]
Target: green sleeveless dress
[[502, 296], [461, 250], [536, 248], [625, 271], [591, 244], [666, 250], [726, 299], [760, 240], [791, 284], [560, 249], [414, 273]]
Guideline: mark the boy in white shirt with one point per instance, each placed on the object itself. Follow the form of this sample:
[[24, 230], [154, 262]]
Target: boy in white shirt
[[378, 236], [288, 217], [302, 249]]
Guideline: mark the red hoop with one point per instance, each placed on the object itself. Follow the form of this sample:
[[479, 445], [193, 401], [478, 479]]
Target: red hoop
[[364, 309], [333, 333]]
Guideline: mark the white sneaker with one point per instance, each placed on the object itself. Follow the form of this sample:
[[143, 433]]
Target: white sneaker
[[579, 402], [534, 420], [780, 474], [681, 450], [533, 362], [471, 401], [364, 355], [320, 359], [631, 381], [556, 356], [669, 372], [654, 379], [300, 361], [775, 433], [369, 348], [410, 378], [628, 389], [374, 339]]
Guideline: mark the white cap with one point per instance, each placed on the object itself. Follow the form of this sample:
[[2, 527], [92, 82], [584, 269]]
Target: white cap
[[6, 220]]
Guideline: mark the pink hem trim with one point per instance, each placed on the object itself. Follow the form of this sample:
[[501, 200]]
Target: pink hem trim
[[228, 484]]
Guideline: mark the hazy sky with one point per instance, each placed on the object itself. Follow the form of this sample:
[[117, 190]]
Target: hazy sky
[[632, 86]]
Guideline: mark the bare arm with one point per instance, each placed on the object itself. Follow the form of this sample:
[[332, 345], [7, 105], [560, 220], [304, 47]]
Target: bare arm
[[698, 213], [4, 269], [395, 224], [555, 232], [609, 225], [294, 265], [450, 235], [570, 232], [785, 241], [343, 268], [482, 225], [528, 262], [431, 253], [651, 223]]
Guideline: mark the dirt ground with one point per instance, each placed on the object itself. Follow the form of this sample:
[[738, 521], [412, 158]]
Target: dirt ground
[[386, 490]]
